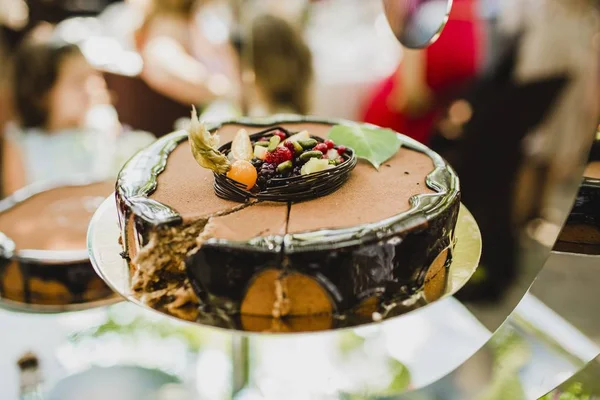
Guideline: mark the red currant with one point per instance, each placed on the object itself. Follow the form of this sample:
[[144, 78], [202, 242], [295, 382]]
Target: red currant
[[281, 135], [322, 147], [341, 150], [329, 144]]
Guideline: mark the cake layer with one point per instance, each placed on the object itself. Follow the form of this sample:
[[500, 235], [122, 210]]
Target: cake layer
[[56, 219]]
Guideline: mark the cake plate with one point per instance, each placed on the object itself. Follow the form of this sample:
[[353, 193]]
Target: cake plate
[[105, 256]]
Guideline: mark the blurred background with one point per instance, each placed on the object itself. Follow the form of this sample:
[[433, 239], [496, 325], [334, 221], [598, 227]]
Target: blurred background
[[508, 94], [117, 67], [511, 103]]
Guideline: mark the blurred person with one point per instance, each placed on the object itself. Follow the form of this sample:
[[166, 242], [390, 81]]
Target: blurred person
[[4, 96], [14, 14], [179, 60], [278, 67], [121, 20], [520, 151], [560, 37], [409, 101], [13, 17], [281, 67], [64, 125]]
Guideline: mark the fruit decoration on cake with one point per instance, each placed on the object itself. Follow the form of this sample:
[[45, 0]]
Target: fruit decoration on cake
[[274, 164]]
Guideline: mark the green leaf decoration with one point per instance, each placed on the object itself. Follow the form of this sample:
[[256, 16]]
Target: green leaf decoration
[[376, 145]]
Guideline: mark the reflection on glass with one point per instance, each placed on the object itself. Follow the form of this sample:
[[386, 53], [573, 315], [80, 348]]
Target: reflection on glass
[[417, 23]]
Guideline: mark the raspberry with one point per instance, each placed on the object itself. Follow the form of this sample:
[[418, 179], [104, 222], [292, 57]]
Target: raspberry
[[329, 144], [288, 144], [280, 155], [341, 150], [281, 134], [322, 147]]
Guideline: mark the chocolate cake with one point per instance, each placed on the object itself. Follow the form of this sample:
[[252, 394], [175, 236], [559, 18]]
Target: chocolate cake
[[373, 242], [581, 233], [43, 255]]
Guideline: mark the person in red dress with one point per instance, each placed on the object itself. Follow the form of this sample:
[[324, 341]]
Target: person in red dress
[[411, 99]]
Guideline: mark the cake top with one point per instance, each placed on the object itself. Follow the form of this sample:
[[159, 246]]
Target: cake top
[[413, 181], [56, 219], [259, 219], [369, 196], [191, 194]]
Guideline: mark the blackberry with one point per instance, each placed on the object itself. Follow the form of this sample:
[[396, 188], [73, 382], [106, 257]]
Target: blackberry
[[267, 167], [296, 170], [257, 163], [267, 171]]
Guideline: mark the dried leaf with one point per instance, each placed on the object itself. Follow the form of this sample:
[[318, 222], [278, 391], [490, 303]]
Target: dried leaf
[[205, 145]]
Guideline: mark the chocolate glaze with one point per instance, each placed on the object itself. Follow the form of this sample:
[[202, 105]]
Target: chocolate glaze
[[389, 258], [220, 274], [43, 275], [392, 266], [38, 283]]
